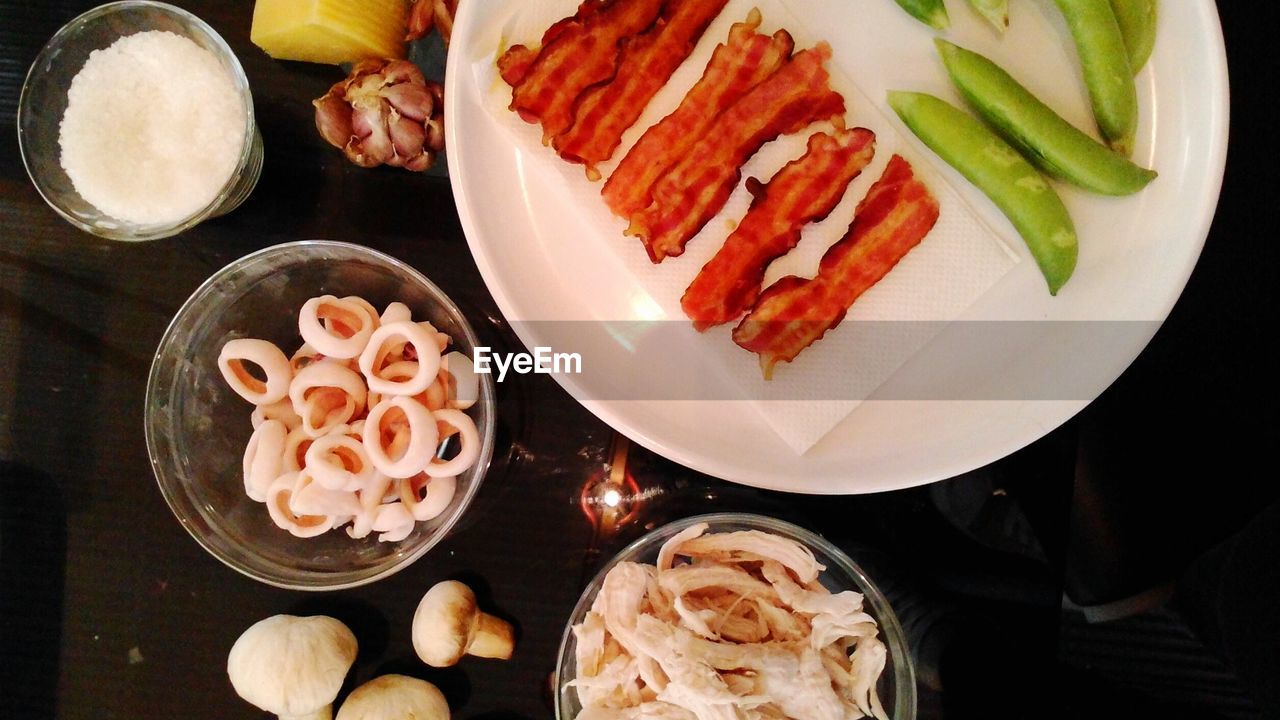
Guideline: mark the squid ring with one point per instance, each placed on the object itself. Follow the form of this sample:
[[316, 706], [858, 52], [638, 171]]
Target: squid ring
[[368, 308], [439, 493], [467, 454], [396, 312], [281, 410], [296, 444], [393, 522], [338, 461], [303, 526], [335, 328], [263, 458], [311, 498], [371, 496], [428, 353], [266, 356], [421, 445], [344, 399]]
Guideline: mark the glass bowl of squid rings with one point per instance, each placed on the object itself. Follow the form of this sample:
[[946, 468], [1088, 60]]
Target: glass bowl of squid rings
[[285, 403]]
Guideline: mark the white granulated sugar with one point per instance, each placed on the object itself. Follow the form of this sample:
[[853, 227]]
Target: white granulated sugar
[[154, 128]]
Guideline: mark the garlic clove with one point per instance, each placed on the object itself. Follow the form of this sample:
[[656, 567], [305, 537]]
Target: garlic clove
[[421, 162], [402, 71], [413, 101], [408, 137], [333, 120]]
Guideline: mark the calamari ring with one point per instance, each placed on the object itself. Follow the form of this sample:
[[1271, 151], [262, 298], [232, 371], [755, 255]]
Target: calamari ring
[[338, 461], [356, 429], [464, 384], [418, 451], [268, 357], [281, 410], [310, 498], [303, 526], [376, 352], [467, 454], [334, 392], [263, 458], [296, 444], [304, 356], [368, 308], [426, 497], [335, 328], [371, 496], [396, 312], [435, 394], [394, 522]]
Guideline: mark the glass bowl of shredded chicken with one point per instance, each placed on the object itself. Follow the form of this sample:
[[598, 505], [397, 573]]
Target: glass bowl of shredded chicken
[[733, 616], [313, 418]]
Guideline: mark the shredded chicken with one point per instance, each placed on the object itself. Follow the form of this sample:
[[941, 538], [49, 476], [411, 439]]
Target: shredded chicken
[[727, 626]]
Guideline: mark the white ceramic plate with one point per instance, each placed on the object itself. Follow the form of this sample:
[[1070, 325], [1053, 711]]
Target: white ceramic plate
[[1136, 253]]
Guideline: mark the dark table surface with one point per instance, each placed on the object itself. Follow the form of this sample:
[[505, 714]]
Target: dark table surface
[[109, 610]]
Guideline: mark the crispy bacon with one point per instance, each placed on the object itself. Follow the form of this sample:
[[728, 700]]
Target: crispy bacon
[[577, 53], [606, 111], [804, 191], [737, 66], [698, 186], [794, 313]]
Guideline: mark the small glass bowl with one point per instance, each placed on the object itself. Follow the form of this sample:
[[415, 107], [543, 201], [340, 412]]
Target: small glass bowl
[[44, 102], [197, 427], [897, 685]]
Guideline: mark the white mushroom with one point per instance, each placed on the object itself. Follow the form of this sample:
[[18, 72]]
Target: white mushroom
[[395, 696], [292, 666], [448, 625]]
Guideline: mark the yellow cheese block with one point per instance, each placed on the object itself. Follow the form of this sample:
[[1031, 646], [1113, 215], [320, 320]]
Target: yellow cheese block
[[330, 31]]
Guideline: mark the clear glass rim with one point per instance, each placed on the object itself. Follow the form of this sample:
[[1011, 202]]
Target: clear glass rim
[[141, 232], [309, 580], [895, 639]]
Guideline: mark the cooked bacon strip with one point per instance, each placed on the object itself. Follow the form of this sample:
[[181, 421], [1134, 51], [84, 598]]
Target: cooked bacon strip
[[580, 52], [697, 187], [793, 313], [606, 111], [804, 191], [735, 68], [514, 64]]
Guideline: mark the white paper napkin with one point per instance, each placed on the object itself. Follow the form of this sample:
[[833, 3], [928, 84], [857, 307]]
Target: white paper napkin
[[955, 265]]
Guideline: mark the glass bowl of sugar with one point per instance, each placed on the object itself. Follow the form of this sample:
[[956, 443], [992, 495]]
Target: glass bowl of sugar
[[136, 122]]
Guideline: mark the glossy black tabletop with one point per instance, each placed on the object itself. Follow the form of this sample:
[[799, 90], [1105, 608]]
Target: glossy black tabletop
[[108, 609]]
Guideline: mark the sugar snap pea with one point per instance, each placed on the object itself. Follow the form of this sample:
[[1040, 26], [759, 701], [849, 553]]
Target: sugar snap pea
[[1137, 19], [930, 12], [1045, 138], [995, 11], [1106, 70], [991, 164]]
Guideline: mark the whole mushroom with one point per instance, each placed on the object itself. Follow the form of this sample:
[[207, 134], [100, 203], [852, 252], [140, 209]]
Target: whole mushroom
[[448, 624], [292, 666], [395, 696]]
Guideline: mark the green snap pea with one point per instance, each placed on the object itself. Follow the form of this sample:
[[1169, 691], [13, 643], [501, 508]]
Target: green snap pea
[[1106, 70], [1045, 138], [1012, 183], [930, 12], [995, 11], [1137, 20]]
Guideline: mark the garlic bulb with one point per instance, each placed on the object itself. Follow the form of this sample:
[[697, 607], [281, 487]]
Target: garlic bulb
[[385, 112]]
